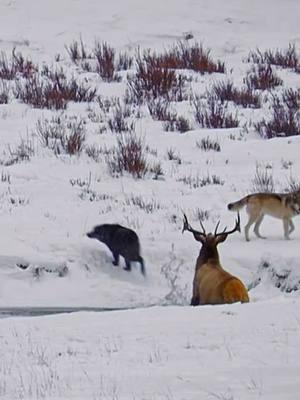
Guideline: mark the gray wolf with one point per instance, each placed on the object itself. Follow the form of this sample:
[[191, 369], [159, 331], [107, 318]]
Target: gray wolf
[[284, 206], [121, 241]]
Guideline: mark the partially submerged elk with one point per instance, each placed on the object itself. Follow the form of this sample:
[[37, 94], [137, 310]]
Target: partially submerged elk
[[212, 284]]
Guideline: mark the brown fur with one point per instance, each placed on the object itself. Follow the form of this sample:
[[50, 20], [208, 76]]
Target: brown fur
[[212, 284], [283, 206]]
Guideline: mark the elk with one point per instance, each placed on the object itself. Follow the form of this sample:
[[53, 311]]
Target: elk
[[212, 284]]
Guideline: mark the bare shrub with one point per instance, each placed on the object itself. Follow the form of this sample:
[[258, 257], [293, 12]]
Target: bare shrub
[[147, 205], [285, 119], [97, 152], [129, 156], [263, 180], [74, 141], [194, 57], [293, 185], [7, 70], [40, 94], [5, 177], [153, 81], [106, 104], [159, 109], [201, 215], [77, 51], [21, 152], [246, 97], [22, 66], [177, 124], [119, 122], [4, 92], [18, 66], [262, 77], [61, 135], [214, 114], [105, 56], [286, 58], [124, 62], [207, 144], [200, 181], [156, 170], [53, 93], [173, 155]]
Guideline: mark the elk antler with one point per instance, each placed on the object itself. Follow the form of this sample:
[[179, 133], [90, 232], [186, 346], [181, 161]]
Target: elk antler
[[187, 227], [237, 227]]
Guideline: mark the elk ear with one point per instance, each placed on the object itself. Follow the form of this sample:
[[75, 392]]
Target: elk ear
[[221, 238]]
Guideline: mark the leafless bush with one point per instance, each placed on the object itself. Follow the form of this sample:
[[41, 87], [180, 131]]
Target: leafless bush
[[124, 62], [61, 135], [153, 81], [17, 66], [22, 152], [185, 56], [173, 155], [263, 180], [119, 122], [214, 114], [156, 170], [159, 109], [98, 152], [74, 141], [201, 215], [107, 103], [53, 93], [129, 156], [77, 51], [262, 77], [177, 124], [147, 205], [7, 70], [286, 58], [285, 119], [40, 93], [4, 92], [105, 56], [5, 177], [200, 181], [293, 185], [207, 144], [246, 97]]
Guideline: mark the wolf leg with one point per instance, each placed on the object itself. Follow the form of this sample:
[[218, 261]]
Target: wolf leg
[[141, 261], [292, 226], [116, 258], [286, 223], [252, 219], [128, 266], [257, 225]]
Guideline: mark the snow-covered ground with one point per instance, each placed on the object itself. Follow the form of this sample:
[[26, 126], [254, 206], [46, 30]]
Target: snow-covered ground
[[49, 202]]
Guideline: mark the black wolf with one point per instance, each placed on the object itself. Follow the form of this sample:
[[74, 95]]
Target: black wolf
[[121, 241]]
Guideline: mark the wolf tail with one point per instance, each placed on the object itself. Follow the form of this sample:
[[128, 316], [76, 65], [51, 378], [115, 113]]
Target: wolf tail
[[236, 206]]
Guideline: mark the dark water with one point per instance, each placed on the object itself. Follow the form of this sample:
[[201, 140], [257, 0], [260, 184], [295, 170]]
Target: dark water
[[6, 312]]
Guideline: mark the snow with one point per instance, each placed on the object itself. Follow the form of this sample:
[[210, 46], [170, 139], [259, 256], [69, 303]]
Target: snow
[[164, 349]]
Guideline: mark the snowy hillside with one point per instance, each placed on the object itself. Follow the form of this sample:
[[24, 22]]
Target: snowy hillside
[[75, 86]]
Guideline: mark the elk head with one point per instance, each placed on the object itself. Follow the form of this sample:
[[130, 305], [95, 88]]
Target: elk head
[[209, 238]]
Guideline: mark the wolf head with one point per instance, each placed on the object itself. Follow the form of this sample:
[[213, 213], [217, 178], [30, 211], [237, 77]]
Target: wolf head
[[99, 232], [294, 202]]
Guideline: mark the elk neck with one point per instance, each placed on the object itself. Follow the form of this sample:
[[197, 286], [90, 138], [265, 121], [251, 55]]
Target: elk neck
[[208, 253]]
